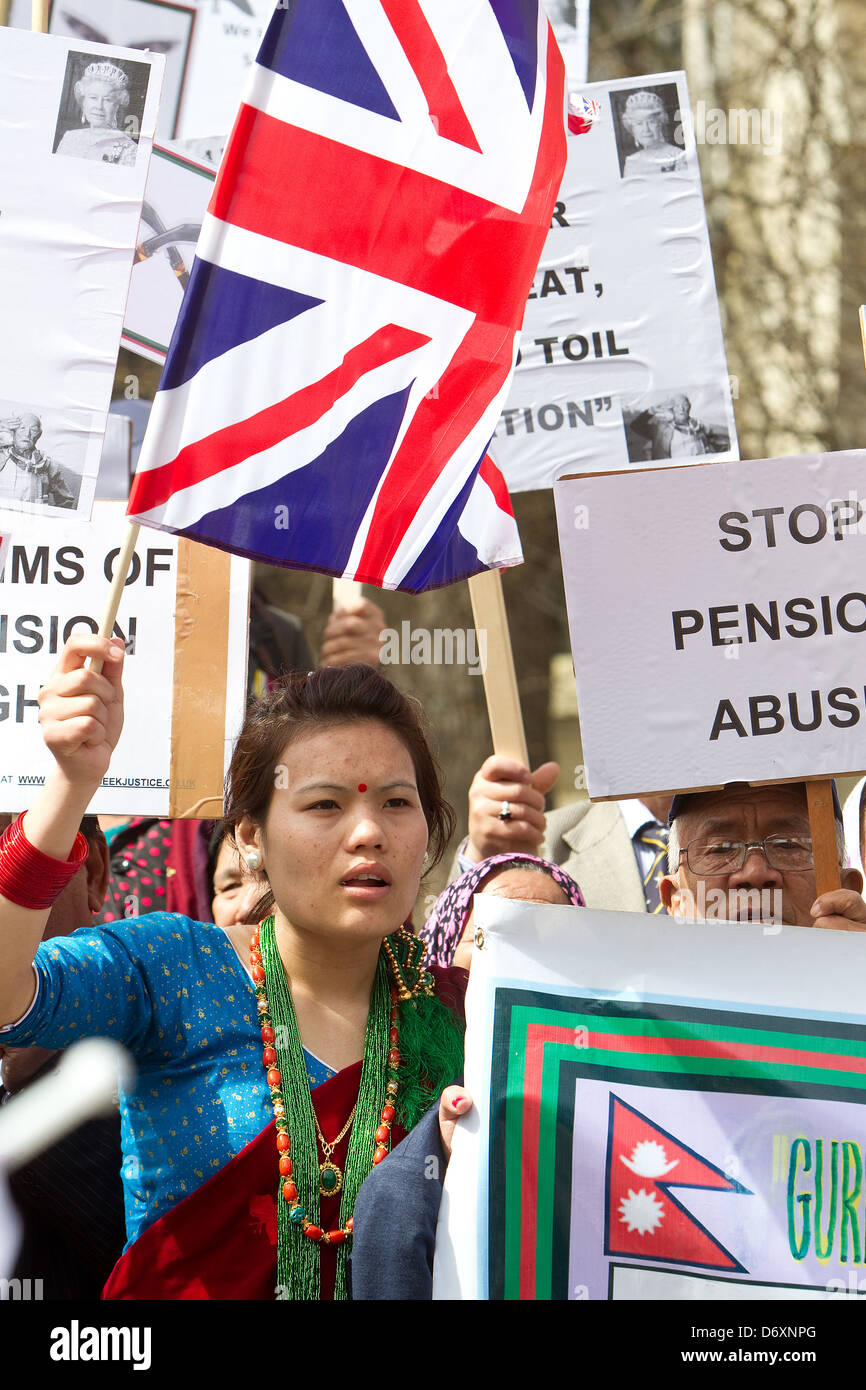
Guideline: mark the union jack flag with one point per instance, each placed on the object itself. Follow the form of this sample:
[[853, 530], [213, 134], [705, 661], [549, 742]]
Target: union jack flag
[[583, 112], [347, 338]]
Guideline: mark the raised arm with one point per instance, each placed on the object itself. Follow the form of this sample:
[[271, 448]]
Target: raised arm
[[81, 714], [501, 780]]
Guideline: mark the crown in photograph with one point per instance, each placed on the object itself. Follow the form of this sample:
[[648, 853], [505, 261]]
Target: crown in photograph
[[644, 104], [105, 72]]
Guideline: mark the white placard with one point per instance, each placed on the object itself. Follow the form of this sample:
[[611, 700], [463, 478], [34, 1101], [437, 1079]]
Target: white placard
[[175, 200], [206, 149], [621, 356], [609, 1054], [55, 582], [718, 621], [157, 26], [228, 34], [570, 21], [73, 165]]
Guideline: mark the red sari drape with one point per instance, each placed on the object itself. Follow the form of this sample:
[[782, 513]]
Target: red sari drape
[[220, 1242]]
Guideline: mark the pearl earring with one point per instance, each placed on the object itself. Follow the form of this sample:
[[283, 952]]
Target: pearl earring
[[253, 859]]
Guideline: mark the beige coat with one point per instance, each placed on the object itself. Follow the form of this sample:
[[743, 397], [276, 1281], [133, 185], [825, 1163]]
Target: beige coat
[[590, 841]]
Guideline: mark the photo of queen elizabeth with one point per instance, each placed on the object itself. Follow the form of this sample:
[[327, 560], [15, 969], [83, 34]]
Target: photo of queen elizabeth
[[102, 119]]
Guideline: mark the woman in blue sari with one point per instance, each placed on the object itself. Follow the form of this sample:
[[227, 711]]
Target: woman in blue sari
[[276, 1065]]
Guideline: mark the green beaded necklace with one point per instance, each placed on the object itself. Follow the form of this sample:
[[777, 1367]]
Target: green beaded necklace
[[298, 1259]]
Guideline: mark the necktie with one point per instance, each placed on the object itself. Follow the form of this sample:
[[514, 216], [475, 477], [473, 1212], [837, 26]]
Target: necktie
[[654, 838]]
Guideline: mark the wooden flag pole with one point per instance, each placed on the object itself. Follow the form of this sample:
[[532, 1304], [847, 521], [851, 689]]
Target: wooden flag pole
[[345, 591], [198, 712], [500, 677], [121, 571], [39, 16], [822, 823], [4, 12]]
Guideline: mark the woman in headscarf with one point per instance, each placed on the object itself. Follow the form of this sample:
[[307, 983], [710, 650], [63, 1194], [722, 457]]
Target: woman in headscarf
[[449, 930]]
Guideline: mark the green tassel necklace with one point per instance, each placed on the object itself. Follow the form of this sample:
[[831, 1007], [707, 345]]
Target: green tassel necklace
[[299, 1232]]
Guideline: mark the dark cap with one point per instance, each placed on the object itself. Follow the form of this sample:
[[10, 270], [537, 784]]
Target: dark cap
[[681, 801]]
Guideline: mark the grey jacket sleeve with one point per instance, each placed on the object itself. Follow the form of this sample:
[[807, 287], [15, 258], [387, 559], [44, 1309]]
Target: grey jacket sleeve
[[395, 1218]]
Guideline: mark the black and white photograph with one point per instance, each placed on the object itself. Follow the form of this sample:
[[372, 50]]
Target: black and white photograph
[[649, 132], [676, 424], [101, 109], [155, 25], [37, 461]]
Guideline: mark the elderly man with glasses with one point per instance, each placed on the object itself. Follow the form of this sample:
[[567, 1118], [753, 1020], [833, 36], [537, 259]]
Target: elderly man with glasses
[[745, 854]]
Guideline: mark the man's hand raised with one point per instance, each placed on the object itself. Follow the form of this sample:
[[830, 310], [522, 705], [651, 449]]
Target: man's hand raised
[[502, 779], [352, 634], [841, 910]]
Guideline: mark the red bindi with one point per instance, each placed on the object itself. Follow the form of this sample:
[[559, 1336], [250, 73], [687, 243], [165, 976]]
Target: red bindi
[[362, 786]]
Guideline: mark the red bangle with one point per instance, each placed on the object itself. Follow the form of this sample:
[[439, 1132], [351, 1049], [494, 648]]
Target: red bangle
[[30, 878]]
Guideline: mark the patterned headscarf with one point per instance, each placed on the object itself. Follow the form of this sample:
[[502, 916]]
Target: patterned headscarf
[[445, 925]]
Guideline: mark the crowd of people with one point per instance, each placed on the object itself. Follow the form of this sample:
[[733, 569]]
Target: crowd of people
[[298, 1039]]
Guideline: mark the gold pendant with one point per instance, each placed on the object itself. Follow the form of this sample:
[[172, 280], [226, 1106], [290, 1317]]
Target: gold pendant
[[405, 954], [330, 1179]]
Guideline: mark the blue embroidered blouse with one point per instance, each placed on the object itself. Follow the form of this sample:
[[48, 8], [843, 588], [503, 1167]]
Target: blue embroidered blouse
[[175, 993]]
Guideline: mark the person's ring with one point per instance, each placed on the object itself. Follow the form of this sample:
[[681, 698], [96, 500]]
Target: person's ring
[[505, 813]]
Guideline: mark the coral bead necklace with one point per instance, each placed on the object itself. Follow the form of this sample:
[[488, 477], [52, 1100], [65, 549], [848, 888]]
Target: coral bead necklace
[[286, 1090]]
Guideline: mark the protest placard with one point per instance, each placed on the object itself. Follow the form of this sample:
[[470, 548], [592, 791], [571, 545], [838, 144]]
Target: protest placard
[[570, 21], [227, 37], [621, 356], [55, 582], [660, 1112], [158, 26], [175, 202], [76, 125], [724, 641]]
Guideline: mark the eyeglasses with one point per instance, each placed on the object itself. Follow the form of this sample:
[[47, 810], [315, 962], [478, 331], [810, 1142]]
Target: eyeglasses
[[717, 856]]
